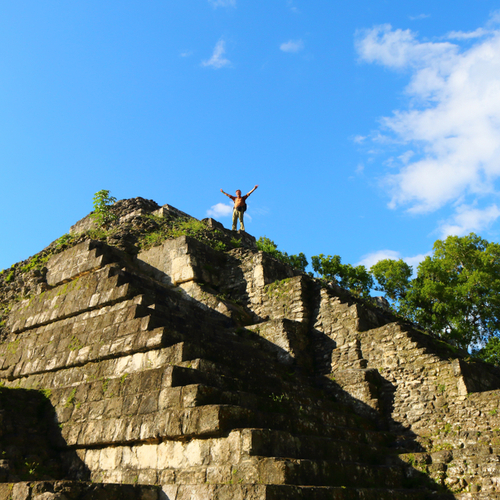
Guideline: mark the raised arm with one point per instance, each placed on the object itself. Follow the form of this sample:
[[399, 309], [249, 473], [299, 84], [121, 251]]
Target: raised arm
[[228, 195], [250, 192]]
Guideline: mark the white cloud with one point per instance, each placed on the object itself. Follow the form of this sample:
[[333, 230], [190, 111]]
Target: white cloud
[[292, 46], [359, 139], [449, 135], [467, 35], [186, 53], [469, 219], [217, 60], [222, 3], [220, 210], [372, 258], [398, 48]]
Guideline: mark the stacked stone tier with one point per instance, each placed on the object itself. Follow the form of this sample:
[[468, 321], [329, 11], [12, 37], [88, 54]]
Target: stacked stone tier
[[152, 386]]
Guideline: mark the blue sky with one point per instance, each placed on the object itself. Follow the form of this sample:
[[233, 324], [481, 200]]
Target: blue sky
[[371, 127]]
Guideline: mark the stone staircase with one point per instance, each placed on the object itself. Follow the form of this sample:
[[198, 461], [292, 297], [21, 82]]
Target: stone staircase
[[148, 388], [188, 373]]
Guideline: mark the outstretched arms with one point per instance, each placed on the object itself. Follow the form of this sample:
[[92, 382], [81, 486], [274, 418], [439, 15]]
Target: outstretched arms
[[250, 192]]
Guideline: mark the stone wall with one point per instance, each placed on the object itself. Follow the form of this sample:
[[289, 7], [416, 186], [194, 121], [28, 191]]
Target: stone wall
[[205, 374]]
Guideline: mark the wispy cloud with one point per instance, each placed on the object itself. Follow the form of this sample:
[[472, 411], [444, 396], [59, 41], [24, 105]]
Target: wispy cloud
[[449, 135], [217, 60], [419, 17], [220, 210], [469, 219], [222, 3], [292, 46], [186, 53], [467, 35]]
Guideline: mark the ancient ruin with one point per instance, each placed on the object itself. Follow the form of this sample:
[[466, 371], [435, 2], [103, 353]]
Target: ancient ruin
[[199, 368]]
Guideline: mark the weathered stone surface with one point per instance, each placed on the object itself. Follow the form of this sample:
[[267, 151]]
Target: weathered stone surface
[[227, 374]]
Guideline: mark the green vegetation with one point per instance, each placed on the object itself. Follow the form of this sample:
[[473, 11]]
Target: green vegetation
[[46, 392], [490, 352], [455, 292], [71, 399], [102, 202], [353, 278], [31, 467], [75, 344], [36, 262], [163, 229], [299, 261], [13, 346]]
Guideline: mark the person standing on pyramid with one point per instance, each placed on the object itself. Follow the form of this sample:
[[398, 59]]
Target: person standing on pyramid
[[240, 206]]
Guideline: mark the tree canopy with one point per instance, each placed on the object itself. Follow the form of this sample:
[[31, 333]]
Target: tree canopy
[[357, 279], [455, 292]]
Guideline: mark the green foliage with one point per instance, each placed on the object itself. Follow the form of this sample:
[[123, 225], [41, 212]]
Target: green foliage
[[166, 230], [299, 261], [71, 399], [490, 352], [357, 279], [36, 262], [74, 344], [66, 240], [456, 291], [46, 392], [102, 202], [31, 467], [393, 277], [98, 233], [187, 227], [235, 243], [218, 245]]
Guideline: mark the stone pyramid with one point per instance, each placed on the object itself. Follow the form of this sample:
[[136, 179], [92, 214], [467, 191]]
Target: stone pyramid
[[198, 371]]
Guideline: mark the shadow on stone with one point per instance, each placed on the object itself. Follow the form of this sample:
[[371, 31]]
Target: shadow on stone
[[31, 445]]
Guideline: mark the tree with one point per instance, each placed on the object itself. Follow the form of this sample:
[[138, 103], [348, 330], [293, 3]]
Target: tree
[[489, 352], [354, 278], [102, 213], [393, 277], [456, 290], [267, 245], [455, 293]]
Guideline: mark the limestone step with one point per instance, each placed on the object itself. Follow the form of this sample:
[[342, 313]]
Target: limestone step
[[264, 492], [76, 261], [103, 287], [275, 470], [214, 420], [279, 397], [272, 443], [76, 490]]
